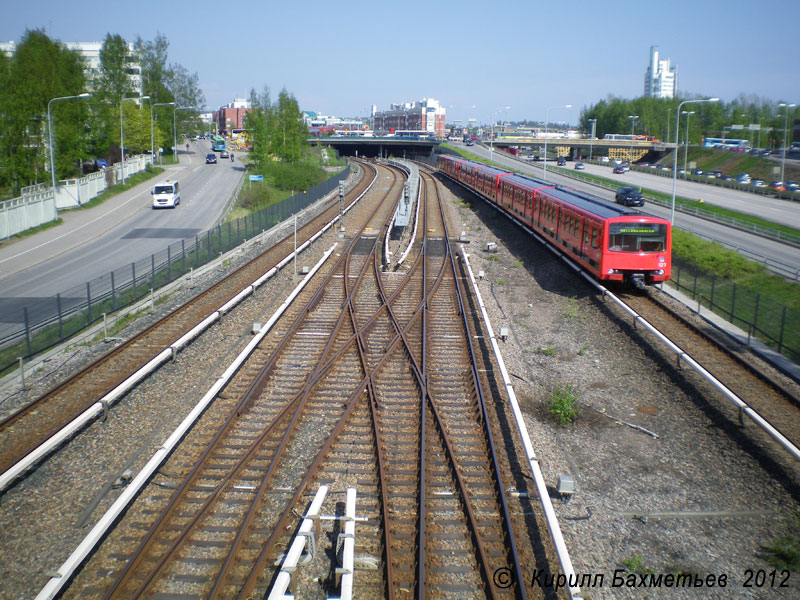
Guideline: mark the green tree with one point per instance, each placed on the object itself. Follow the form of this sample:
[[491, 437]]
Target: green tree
[[290, 134], [153, 61], [40, 70], [257, 124]]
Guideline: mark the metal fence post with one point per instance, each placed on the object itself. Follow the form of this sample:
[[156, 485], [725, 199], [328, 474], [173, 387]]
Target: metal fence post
[[89, 301], [755, 316], [183, 256], [783, 324], [27, 330], [113, 293], [733, 302], [169, 263], [152, 271], [60, 317], [713, 284], [196, 251], [133, 281]]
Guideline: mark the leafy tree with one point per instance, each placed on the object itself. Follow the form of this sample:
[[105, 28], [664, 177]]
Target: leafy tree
[[257, 123], [40, 70], [153, 61]]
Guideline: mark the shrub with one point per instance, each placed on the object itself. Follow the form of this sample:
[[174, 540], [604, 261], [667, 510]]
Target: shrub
[[561, 404]]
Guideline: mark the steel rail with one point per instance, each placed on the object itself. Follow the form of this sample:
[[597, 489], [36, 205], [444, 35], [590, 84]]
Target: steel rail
[[252, 392], [521, 588]]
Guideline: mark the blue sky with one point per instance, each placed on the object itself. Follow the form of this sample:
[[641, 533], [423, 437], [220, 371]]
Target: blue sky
[[339, 58]]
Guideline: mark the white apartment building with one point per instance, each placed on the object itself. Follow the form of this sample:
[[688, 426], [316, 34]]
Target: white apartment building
[[660, 79]]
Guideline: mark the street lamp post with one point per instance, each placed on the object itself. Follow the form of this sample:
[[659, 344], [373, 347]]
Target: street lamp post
[[546, 119], [50, 136], [632, 119], [175, 128], [786, 108], [152, 128], [688, 114], [491, 138], [122, 131], [591, 136], [675, 154]]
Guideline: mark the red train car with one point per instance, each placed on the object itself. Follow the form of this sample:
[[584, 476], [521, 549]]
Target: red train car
[[612, 242]]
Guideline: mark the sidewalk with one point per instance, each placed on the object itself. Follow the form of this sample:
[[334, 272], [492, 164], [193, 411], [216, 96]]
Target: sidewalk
[[79, 225], [772, 356]]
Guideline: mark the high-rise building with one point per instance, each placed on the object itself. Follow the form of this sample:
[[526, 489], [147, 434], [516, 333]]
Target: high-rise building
[[660, 79]]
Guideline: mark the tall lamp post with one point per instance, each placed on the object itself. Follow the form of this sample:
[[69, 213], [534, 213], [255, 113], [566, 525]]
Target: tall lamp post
[[675, 155], [546, 119], [491, 138], [175, 128], [632, 119], [591, 136], [786, 108], [50, 136], [688, 114], [122, 131], [152, 128]]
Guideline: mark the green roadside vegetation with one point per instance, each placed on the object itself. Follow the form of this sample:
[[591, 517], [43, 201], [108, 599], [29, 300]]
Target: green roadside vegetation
[[284, 179]]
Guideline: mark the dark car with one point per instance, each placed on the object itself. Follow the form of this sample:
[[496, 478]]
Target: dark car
[[619, 170], [629, 196], [211, 158], [561, 162]]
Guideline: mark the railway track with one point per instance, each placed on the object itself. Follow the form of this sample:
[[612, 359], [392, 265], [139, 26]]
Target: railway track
[[28, 427], [373, 385], [731, 364]]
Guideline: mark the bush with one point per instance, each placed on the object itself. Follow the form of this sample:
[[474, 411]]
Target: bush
[[294, 176], [561, 404]]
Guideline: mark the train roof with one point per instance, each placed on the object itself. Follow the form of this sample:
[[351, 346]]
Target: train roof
[[582, 200]]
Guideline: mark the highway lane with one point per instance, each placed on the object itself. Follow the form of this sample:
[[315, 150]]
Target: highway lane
[[745, 202], [122, 230], [753, 246]]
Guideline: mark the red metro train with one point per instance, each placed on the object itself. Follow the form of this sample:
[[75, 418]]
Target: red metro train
[[612, 242]]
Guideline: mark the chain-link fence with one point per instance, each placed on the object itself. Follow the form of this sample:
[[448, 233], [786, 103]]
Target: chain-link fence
[[775, 324], [41, 324]]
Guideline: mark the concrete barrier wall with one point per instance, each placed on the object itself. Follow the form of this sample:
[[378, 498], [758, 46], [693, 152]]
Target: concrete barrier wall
[[38, 204]]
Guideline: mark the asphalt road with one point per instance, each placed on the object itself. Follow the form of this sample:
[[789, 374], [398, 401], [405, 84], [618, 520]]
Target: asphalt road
[[784, 256], [122, 230]]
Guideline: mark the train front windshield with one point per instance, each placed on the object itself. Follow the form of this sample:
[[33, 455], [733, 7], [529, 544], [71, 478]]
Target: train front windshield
[[637, 237]]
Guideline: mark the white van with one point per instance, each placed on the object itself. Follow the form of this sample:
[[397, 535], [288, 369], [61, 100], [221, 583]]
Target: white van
[[166, 194]]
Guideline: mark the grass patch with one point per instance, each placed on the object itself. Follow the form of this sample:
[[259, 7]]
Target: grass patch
[[784, 552], [562, 404], [34, 230]]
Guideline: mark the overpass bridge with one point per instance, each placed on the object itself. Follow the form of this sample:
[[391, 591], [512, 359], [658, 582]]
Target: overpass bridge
[[404, 147], [626, 150], [376, 147]]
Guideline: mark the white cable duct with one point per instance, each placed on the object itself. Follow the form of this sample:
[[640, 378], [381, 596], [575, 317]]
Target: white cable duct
[[541, 486], [309, 528], [66, 570], [102, 405]]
